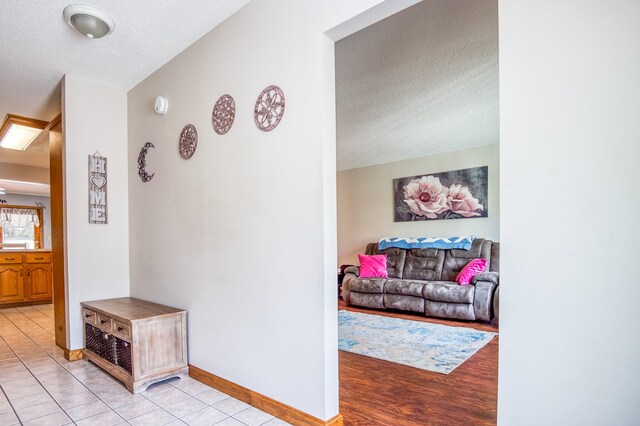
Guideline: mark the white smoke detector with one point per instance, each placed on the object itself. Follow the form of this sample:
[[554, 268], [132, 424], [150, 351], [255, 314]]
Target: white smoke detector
[[162, 105]]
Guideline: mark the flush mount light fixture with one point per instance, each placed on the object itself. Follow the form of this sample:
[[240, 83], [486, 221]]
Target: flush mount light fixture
[[18, 132], [3, 191], [89, 21]]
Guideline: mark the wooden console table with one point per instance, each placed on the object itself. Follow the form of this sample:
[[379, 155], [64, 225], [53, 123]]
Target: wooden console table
[[137, 342]]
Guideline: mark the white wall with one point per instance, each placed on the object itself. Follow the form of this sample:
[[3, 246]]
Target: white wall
[[97, 256], [366, 203], [31, 200], [570, 145], [249, 247]]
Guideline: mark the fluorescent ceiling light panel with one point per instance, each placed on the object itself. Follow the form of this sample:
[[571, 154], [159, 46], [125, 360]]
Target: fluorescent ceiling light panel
[[18, 132], [19, 137]]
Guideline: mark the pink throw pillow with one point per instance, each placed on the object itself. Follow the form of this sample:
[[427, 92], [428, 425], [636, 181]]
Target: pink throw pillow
[[373, 266], [472, 269]]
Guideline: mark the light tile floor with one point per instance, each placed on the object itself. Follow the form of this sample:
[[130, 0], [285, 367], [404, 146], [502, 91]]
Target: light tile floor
[[39, 387]]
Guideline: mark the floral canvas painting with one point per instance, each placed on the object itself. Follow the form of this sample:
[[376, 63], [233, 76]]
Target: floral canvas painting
[[458, 194]]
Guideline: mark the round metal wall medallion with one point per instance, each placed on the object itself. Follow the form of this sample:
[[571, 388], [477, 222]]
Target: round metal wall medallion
[[269, 108], [224, 112], [188, 141]]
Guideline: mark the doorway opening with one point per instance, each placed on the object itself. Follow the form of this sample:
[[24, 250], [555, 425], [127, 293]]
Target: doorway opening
[[417, 100], [31, 221]]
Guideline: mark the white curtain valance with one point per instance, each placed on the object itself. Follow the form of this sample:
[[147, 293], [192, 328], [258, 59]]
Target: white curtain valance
[[19, 218]]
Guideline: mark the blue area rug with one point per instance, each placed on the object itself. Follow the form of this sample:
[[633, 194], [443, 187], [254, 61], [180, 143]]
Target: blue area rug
[[423, 345]]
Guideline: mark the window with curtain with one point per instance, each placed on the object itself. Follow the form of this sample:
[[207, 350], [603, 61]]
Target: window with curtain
[[21, 227]]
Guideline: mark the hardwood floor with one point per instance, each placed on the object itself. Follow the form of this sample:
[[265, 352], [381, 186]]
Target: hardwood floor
[[376, 392]]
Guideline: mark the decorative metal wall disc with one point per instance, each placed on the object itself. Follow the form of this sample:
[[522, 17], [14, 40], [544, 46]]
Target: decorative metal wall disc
[[142, 163], [188, 141], [269, 108], [224, 112]]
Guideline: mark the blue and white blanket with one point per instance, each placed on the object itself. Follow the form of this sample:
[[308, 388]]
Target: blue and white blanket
[[463, 243]]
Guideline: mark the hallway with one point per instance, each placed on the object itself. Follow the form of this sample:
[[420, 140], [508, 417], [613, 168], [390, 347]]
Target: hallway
[[39, 387]]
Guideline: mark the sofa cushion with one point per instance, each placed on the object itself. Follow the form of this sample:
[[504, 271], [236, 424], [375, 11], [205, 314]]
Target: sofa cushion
[[395, 261], [404, 287], [367, 300], [448, 291], [461, 311], [367, 285], [455, 260], [404, 303], [423, 264]]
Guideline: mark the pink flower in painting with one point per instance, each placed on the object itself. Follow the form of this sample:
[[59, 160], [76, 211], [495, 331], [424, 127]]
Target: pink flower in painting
[[462, 202], [426, 196]]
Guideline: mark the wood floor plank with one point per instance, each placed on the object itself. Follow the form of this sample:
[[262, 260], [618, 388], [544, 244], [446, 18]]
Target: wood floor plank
[[376, 392]]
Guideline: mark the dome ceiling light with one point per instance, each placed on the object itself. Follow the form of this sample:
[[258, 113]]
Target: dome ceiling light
[[89, 21]]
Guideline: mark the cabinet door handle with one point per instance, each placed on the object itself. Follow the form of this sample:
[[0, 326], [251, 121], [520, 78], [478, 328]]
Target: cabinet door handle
[[39, 258], [120, 329], [20, 272], [29, 273], [87, 315], [9, 258], [103, 321]]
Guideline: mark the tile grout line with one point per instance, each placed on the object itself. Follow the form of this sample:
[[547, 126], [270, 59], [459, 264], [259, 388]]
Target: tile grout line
[[73, 375], [33, 375], [18, 328], [171, 414], [39, 325], [69, 372], [2, 388]]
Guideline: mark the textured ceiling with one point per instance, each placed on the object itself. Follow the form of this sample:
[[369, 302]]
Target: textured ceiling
[[420, 82], [37, 47]]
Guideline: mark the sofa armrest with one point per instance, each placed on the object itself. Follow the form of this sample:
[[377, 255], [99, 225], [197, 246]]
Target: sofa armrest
[[350, 274], [483, 300], [496, 304], [355, 270], [492, 277]]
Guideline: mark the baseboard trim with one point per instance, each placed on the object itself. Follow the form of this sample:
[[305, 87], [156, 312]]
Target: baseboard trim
[[28, 303], [73, 354], [335, 421], [262, 402]]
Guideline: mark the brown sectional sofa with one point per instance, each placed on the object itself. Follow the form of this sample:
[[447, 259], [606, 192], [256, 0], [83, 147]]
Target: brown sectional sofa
[[423, 280]]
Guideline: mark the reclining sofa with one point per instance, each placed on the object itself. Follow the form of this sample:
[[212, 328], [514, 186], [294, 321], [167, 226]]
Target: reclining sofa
[[424, 281]]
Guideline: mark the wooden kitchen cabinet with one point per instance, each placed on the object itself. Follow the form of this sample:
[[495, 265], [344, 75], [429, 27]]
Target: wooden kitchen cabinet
[[38, 283], [11, 283], [137, 342], [25, 278]]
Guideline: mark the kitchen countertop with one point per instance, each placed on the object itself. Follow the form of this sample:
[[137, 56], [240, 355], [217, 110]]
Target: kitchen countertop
[[8, 250]]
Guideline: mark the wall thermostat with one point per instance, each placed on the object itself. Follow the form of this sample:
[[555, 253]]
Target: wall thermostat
[[162, 105]]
